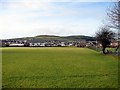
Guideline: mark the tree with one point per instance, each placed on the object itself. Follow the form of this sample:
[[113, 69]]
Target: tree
[[105, 36], [114, 16], [114, 19]]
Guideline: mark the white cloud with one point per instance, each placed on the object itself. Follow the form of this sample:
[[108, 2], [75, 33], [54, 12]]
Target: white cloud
[[15, 26], [77, 0], [18, 20], [26, 4]]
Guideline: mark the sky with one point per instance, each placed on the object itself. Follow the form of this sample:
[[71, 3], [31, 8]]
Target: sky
[[27, 18]]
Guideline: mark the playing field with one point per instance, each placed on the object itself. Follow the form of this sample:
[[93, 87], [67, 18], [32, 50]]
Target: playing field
[[61, 67]]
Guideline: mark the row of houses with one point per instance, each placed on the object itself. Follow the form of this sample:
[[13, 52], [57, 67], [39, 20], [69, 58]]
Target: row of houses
[[10, 43], [81, 43]]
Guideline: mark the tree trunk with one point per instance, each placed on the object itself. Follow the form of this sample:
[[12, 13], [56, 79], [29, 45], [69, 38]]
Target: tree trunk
[[117, 49], [103, 50]]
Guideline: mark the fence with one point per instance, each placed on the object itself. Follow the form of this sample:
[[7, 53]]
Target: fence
[[111, 51], [98, 49]]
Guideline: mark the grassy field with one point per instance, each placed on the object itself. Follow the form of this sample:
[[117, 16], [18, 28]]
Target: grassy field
[[58, 68]]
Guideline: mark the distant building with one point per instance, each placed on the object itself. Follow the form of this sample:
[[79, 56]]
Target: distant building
[[15, 44], [114, 44]]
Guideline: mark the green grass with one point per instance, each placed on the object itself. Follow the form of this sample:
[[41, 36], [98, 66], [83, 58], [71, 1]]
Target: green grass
[[111, 49], [58, 68]]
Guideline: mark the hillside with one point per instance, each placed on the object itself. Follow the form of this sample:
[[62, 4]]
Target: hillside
[[42, 38]]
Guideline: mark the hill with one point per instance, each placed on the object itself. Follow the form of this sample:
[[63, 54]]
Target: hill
[[42, 38]]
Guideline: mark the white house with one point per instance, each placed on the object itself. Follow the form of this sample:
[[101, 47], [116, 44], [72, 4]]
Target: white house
[[14, 44]]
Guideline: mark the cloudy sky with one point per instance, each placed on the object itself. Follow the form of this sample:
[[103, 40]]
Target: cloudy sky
[[25, 18]]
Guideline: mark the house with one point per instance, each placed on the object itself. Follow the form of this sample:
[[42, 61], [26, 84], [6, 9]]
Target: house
[[62, 43], [81, 43], [114, 44], [16, 45]]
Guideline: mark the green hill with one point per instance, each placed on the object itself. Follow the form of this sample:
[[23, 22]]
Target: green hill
[[42, 38]]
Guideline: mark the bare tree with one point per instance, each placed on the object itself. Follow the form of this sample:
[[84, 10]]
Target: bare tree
[[114, 16], [114, 19], [105, 36]]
